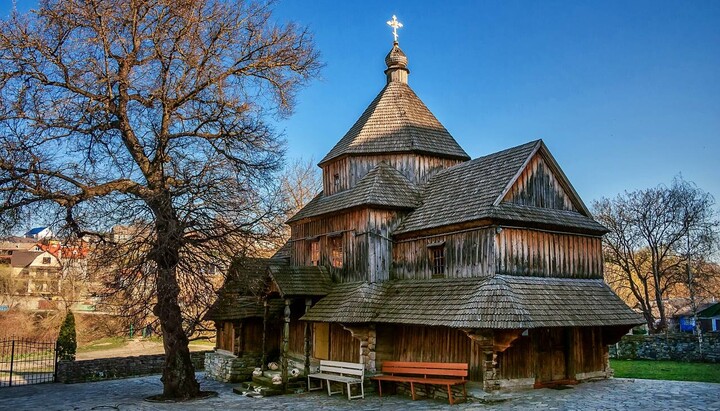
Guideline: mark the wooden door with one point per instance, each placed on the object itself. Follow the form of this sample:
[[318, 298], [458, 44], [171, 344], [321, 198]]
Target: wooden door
[[552, 354], [321, 341]]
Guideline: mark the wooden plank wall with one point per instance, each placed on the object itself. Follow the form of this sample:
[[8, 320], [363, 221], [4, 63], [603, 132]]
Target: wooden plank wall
[[354, 248], [343, 347], [543, 254], [588, 351], [467, 254], [416, 168], [518, 361], [365, 240], [537, 186], [429, 344], [252, 335]]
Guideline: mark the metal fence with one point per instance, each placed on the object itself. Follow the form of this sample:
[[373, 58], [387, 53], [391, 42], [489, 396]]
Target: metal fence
[[26, 362]]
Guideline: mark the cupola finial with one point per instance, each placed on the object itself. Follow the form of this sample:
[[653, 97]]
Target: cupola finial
[[395, 24], [396, 60]]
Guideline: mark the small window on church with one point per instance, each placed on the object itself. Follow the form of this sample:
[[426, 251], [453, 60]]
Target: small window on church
[[336, 182], [437, 259], [46, 260], [315, 252], [337, 251]]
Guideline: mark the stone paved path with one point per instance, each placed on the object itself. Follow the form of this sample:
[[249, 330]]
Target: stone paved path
[[616, 394]]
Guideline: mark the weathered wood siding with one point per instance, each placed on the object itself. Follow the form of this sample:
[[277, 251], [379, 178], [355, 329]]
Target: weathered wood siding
[[553, 353], [297, 329], [343, 347], [467, 254], [588, 350], [537, 253], [537, 186], [364, 235], [345, 225], [518, 361], [429, 344], [416, 168]]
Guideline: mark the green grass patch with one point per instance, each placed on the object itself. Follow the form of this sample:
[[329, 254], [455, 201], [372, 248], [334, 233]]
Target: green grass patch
[[207, 343], [103, 344], [666, 370]]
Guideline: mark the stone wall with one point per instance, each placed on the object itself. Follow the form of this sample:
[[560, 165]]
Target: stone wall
[[223, 366], [70, 372], [676, 347]]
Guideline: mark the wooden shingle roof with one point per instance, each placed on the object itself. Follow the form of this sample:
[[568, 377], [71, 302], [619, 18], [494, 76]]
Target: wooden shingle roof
[[240, 295], [310, 281], [471, 191], [382, 186], [397, 121], [499, 302]]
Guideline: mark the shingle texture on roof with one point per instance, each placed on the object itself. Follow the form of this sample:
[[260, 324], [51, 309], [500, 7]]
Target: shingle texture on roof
[[382, 186], [501, 302], [397, 121], [468, 191], [301, 280], [239, 297]]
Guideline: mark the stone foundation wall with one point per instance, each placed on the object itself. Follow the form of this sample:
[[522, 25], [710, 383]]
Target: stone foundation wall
[[226, 367], [676, 347], [70, 372]]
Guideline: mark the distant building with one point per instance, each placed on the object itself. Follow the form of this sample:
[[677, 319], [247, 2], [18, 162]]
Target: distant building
[[708, 316], [33, 273], [38, 233]]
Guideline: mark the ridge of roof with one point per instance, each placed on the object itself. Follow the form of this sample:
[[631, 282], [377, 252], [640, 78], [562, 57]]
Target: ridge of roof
[[382, 186], [397, 121]]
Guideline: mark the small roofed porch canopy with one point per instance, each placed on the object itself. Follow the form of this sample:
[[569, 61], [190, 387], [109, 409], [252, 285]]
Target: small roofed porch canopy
[[238, 311], [293, 284], [505, 327]]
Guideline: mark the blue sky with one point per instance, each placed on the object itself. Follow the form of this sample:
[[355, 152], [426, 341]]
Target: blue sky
[[625, 94]]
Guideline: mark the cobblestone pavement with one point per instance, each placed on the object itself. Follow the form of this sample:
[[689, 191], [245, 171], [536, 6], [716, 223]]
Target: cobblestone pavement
[[128, 394]]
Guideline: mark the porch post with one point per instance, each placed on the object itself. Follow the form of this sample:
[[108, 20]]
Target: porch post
[[308, 346], [263, 359], [285, 345]]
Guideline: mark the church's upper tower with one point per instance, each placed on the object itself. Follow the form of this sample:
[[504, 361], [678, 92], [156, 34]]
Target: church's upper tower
[[396, 128]]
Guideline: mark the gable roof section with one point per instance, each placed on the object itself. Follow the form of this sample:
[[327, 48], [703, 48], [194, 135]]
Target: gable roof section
[[310, 281], [474, 190], [467, 191], [397, 121], [23, 258], [239, 296], [713, 310], [382, 186], [500, 302], [557, 173]]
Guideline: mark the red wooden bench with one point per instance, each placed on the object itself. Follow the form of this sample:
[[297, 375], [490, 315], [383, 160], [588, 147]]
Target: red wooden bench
[[434, 373]]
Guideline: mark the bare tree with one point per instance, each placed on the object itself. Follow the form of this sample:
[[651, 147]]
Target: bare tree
[[654, 234], [150, 111]]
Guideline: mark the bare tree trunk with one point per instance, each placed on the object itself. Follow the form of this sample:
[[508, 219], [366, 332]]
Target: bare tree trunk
[[178, 373]]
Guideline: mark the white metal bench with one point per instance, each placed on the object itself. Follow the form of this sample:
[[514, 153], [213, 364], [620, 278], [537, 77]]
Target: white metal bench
[[343, 372]]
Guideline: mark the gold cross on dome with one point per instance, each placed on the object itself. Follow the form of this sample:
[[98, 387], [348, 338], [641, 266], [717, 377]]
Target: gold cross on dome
[[395, 24]]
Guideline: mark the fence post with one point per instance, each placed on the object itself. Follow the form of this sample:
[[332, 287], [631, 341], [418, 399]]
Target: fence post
[[12, 360], [55, 363]]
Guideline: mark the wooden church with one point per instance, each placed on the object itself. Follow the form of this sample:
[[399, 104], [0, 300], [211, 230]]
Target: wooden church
[[415, 252]]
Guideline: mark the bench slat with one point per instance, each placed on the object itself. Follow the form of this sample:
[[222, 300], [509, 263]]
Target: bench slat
[[424, 371], [402, 378], [342, 364], [350, 371], [441, 365]]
